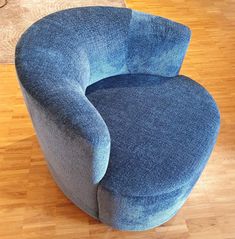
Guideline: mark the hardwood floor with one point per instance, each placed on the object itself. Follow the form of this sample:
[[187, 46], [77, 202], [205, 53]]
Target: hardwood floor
[[31, 205]]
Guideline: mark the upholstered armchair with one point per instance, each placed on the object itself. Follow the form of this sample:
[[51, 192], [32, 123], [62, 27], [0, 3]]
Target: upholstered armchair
[[125, 137]]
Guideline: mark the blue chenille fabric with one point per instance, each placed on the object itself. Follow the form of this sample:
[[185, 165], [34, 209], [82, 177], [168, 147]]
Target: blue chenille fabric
[[162, 133], [125, 136]]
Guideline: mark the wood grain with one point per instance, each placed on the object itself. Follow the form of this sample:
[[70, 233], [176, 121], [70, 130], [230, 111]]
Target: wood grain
[[32, 206]]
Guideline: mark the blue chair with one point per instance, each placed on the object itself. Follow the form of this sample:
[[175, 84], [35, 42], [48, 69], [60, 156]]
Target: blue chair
[[125, 137]]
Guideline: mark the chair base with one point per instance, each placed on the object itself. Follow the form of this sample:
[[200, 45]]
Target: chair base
[[142, 212]]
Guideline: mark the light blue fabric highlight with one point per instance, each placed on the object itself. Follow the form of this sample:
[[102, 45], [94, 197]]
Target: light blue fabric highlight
[[125, 137]]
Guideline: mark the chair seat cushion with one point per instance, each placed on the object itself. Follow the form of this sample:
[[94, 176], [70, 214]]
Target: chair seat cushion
[[162, 131]]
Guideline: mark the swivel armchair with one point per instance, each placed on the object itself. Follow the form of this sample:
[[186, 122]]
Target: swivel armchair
[[124, 135]]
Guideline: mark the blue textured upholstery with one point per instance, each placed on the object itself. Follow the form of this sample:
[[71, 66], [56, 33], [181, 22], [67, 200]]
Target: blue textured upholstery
[[162, 132], [124, 136]]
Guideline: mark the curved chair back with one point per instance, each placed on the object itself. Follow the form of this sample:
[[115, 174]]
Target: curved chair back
[[88, 44]]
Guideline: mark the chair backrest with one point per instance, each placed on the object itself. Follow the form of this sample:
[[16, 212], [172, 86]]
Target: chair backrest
[[88, 44], [81, 44]]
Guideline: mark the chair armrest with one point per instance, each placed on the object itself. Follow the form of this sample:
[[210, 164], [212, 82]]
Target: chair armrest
[[70, 131], [156, 45]]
